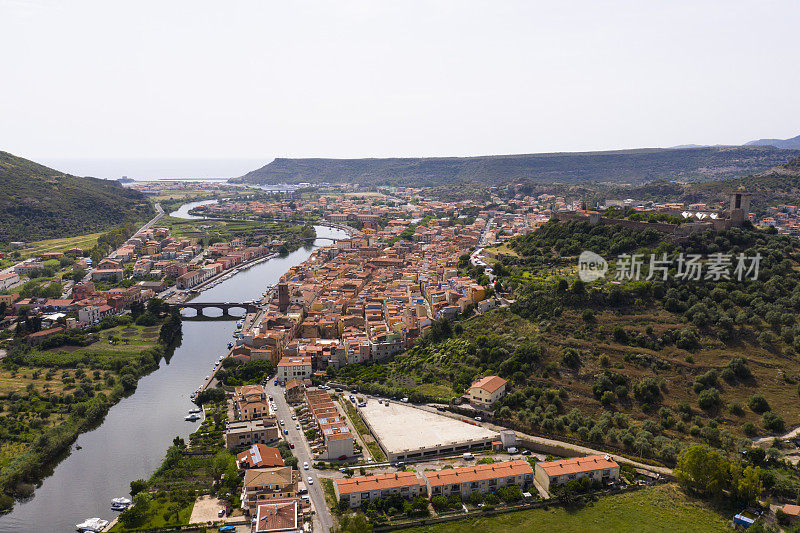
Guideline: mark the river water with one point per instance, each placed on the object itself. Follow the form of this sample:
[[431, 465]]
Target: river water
[[132, 440], [183, 210]]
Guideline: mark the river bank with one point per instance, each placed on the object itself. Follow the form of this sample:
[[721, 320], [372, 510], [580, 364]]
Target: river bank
[[131, 441]]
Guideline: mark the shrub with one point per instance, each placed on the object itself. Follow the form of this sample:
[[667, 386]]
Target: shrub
[[758, 403], [709, 398], [772, 422]]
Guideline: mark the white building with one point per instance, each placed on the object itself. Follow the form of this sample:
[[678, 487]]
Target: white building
[[294, 367], [486, 391]]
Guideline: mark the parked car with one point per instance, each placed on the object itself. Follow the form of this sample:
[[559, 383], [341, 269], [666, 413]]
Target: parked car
[[221, 513], [283, 422], [440, 408], [478, 419], [305, 465], [310, 480], [294, 417], [404, 400], [526, 452], [291, 445], [227, 529], [285, 431], [297, 426]]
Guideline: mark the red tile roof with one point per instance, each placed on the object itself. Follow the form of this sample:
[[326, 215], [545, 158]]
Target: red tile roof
[[259, 456], [379, 482], [277, 515], [469, 474], [575, 465], [490, 383]]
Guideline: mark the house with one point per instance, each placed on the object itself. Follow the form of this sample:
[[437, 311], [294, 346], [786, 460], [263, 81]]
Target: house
[[294, 391], [25, 268], [249, 432], [8, 279], [486, 391], [298, 367], [355, 491], [112, 274], [40, 336], [601, 468], [483, 478], [279, 515], [251, 402], [259, 456], [263, 484]]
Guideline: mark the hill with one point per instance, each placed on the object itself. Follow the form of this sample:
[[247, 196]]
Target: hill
[[643, 367], [787, 144], [38, 202], [622, 166], [779, 184]]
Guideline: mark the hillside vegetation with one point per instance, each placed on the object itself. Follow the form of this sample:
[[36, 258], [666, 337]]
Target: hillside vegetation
[[646, 367], [623, 166], [37, 202]]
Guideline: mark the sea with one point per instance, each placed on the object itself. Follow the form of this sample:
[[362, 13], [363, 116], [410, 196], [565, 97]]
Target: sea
[[156, 169]]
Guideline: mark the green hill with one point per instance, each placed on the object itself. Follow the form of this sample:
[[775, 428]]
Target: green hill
[[622, 166], [37, 202]]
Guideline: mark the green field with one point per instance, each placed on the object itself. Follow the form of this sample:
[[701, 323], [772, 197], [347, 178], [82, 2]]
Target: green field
[[661, 508]]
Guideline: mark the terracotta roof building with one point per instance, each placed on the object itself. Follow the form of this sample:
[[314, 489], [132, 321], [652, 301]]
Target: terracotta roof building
[[277, 516], [600, 468], [483, 478], [358, 490], [487, 390], [259, 456]]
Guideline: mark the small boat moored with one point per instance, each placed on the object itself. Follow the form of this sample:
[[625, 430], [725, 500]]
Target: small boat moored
[[93, 525], [192, 418], [120, 504]]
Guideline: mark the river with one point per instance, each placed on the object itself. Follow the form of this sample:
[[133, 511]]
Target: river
[[132, 440], [183, 210]]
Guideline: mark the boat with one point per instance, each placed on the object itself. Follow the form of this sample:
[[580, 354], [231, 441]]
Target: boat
[[195, 411], [92, 524], [192, 418], [230, 345], [120, 504]]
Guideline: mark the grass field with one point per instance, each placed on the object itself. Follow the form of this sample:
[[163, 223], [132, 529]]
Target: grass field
[[661, 508], [86, 242]]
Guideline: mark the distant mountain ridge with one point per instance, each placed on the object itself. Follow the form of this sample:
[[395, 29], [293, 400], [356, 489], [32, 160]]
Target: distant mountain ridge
[[786, 144], [38, 202], [619, 166]]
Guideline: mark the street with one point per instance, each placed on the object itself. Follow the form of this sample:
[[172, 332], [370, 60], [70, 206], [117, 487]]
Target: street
[[303, 454]]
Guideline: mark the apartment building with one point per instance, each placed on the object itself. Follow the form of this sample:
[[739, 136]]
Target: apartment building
[[482, 478], [249, 432], [251, 402], [294, 367], [601, 468], [359, 490], [264, 484]]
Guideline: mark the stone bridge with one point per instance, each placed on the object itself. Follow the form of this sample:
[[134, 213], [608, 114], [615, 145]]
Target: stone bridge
[[225, 307]]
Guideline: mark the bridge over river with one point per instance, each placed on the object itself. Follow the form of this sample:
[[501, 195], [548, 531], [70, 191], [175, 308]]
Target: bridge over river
[[225, 307]]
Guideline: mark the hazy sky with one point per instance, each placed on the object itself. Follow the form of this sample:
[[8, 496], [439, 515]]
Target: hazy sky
[[259, 79]]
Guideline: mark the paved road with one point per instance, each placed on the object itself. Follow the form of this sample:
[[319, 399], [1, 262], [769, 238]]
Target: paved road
[[303, 453]]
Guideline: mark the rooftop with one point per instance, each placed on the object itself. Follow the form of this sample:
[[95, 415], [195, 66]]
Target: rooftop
[[400, 428], [379, 482], [489, 383], [575, 465], [469, 474]]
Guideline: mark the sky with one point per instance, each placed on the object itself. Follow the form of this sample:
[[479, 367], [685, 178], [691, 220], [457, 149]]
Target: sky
[[253, 80]]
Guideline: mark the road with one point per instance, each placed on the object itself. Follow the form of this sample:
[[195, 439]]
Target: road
[[303, 453]]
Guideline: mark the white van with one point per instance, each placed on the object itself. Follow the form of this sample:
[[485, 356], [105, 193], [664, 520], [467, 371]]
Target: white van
[[468, 456]]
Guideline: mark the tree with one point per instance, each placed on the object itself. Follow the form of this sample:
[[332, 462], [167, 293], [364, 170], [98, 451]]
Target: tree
[[772, 422], [354, 523], [750, 486], [137, 486], [702, 470]]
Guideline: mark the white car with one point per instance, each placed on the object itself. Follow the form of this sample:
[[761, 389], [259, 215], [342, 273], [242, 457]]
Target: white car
[[294, 417], [297, 426], [305, 465], [310, 481], [283, 423]]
